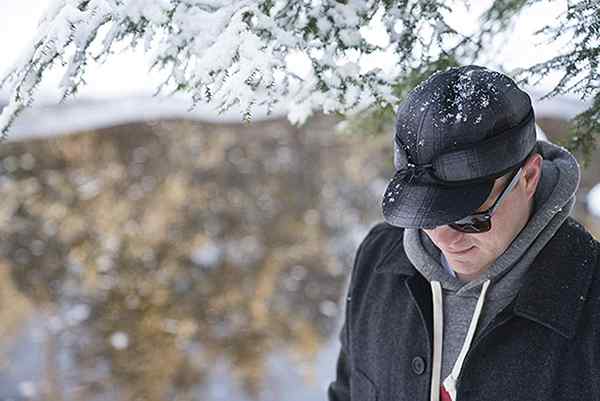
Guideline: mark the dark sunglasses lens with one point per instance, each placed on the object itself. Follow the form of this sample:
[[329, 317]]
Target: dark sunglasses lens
[[476, 225]]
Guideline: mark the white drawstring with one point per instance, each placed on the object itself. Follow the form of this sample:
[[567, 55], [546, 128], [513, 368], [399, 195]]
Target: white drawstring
[[438, 319], [438, 332]]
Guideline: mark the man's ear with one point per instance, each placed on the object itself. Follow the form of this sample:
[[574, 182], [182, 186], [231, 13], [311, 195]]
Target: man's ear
[[532, 172]]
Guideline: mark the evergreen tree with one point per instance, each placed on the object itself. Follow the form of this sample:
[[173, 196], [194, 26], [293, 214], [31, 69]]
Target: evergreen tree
[[234, 52]]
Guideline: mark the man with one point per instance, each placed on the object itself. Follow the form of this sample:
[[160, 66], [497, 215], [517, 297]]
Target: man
[[478, 285]]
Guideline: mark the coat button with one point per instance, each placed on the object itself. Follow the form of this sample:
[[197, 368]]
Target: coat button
[[418, 365]]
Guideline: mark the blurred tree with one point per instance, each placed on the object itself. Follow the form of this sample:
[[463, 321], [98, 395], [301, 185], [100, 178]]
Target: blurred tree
[[158, 256], [237, 52]]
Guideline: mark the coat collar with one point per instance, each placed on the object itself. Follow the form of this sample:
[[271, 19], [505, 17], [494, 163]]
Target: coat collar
[[554, 288], [556, 285]]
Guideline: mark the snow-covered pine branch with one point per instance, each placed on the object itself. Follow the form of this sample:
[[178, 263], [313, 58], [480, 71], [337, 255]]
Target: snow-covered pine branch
[[235, 51]]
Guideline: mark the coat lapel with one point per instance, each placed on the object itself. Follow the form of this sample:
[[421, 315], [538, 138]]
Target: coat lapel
[[396, 262]]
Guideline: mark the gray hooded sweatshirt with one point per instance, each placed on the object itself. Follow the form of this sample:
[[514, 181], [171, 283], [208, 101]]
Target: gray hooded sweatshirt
[[553, 202]]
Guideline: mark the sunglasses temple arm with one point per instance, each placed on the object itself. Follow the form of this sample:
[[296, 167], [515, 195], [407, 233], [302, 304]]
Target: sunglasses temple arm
[[509, 188]]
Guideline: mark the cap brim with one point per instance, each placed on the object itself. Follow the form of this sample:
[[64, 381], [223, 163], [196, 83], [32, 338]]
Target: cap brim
[[418, 205]]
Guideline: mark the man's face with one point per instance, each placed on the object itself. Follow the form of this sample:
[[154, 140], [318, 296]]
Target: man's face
[[469, 255]]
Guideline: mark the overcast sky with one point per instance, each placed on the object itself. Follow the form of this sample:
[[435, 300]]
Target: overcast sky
[[118, 76]]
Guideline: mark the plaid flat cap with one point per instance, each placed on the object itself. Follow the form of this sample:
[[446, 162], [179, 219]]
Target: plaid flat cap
[[455, 134]]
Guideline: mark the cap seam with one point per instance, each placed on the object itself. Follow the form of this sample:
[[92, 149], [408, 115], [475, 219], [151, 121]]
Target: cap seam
[[530, 115]]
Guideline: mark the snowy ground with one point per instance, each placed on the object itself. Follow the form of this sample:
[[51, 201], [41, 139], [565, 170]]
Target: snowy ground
[[50, 119]]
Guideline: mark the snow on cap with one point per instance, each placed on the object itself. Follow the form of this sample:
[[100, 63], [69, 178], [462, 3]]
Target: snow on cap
[[460, 128]]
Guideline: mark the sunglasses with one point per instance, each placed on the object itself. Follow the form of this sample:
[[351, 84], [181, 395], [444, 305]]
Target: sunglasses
[[481, 222]]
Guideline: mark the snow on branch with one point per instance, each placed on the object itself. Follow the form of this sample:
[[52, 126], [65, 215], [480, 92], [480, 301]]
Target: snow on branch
[[235, 52]]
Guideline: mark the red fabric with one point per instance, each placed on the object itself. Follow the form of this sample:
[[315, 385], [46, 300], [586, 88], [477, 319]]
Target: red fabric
[[444, 396]]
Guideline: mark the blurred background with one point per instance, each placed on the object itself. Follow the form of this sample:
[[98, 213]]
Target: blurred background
[[151, 253]]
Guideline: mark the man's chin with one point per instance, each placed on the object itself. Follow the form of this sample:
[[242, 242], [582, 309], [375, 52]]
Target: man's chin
[[467, 257]]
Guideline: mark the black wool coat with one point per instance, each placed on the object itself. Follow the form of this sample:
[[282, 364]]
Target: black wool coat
[[545, 345]]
